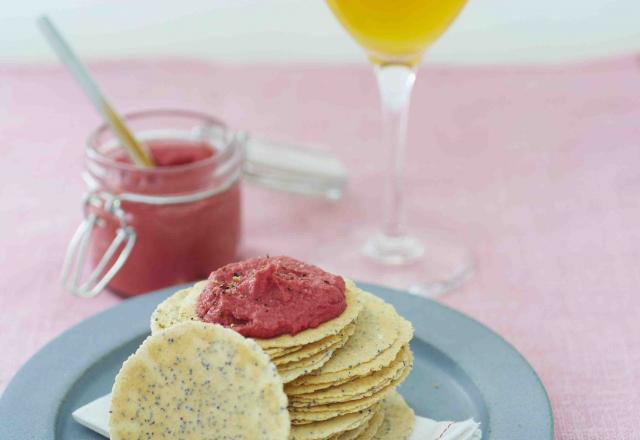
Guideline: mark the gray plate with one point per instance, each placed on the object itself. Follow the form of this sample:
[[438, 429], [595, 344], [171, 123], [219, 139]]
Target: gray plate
[[462, 369]]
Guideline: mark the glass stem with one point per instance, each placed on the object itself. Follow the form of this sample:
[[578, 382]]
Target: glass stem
[[395, 83]]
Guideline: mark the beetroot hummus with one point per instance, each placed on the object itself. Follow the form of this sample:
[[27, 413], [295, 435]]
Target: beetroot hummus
[[271, 296]]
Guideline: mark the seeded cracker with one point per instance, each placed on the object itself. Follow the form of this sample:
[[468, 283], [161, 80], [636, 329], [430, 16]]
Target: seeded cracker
[[168, 312], [198, 381], [337, 425], [294, 389], [376, 330], [294, 373], [352, 360], [316, 361], [399, 419], [330, 342], [276, 352], [365, 432]]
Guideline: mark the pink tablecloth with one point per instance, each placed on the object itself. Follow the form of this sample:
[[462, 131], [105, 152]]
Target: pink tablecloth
[[537, 168]]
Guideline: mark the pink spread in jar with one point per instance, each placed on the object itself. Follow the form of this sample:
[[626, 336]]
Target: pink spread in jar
[[184, 213]]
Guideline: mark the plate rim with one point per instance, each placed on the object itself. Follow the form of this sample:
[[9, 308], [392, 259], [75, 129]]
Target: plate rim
[[13, 407], [546, 417]]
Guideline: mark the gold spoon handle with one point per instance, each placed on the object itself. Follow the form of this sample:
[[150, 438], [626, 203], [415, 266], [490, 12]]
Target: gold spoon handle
[[137, 153]]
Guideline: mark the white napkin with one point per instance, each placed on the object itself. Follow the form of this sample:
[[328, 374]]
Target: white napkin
[[427, 429], [95, 416]]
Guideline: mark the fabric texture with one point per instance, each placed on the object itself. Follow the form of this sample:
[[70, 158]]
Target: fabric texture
[[536, 169]]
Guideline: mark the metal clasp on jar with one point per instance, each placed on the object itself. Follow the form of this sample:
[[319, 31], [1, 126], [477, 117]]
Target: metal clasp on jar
[[110, 204], [76, 256]]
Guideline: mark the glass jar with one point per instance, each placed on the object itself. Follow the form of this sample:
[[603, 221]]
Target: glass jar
[[148, 228]]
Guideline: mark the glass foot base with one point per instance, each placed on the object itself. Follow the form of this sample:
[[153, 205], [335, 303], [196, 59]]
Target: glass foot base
[[429, 264], [395, 251]]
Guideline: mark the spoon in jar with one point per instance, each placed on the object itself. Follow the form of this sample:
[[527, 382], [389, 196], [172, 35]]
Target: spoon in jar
[[271, 164], [136, 152]]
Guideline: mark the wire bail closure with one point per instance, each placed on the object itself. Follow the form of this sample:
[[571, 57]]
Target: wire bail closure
[[76, 256]]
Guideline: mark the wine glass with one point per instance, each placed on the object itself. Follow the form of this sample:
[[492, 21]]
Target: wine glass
[[394, 35]]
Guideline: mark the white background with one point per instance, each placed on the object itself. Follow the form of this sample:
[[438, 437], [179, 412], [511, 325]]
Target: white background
[[488, 31]]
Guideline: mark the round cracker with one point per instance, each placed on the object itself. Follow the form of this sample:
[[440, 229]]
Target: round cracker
[[294, 389], [375, 332], [330, 342], [399, 419], [327, 428], [167, 313], [275, 352], [366, 431], [294, 373], [188, 308], [285, 355], [360, 387], [307, 362], [331, 327], [382, 360], [194, 381]]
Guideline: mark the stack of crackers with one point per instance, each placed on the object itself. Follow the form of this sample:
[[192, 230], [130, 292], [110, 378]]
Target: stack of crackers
[[340, 377]]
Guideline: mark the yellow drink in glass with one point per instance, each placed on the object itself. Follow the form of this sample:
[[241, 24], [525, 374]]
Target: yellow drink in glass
[[395, 34], [396, 31]]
